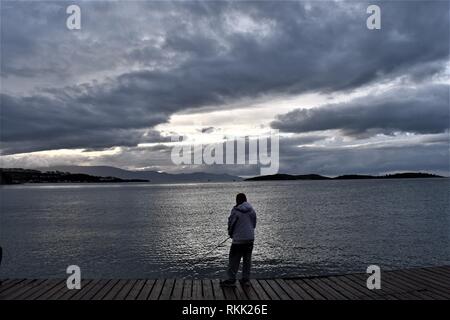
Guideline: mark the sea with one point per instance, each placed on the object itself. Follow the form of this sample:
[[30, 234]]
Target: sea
[[143, 230]]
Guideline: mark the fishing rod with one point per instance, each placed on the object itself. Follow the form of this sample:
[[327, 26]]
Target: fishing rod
[[207, 253]]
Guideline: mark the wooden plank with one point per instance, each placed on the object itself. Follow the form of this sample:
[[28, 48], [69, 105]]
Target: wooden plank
[[409, 284], [444, 279], [5, 282], [325, 290], [48, 286], [359, 283], [406, 296], [389, 279], [208, 293], [166, 291], [430, 281], [8, 284], [430, 278], [250, 292], [262, 295], [414, 280], [157, 288], [115, 290], [351, 290], [358, 292], [438, 270], [299, 290], [146, 289], [89, 290], [105, 290], [187, 289], [267, 288], [26, 290], [347, 294], [378, 294], [310, 290], [197, 290], [443, 276], [444, 269], [393, 286], [278, 290], [239, 292], [229, 293], [390, 297], [134, 292], [439, 290], [62, 285], [289, 291], [38, 290], [428, 295], [18, 288], [66, 294], [6, 293], [339, 293], [177, 293], [387, 289], [123, 293], [217, 289]]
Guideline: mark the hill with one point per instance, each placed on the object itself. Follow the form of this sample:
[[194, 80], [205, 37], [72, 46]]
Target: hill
[[405, 175], [19, 175], [288, 177], [152, 176]]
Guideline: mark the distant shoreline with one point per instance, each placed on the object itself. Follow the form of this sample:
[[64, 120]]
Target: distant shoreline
[[17, 176], [288, 177], [22, 176]]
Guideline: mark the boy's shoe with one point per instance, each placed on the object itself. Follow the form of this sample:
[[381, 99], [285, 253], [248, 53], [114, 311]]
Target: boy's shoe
[[228, 283], [245, 282]]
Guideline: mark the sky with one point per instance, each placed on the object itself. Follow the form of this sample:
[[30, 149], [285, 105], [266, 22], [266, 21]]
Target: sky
[[344, 99]]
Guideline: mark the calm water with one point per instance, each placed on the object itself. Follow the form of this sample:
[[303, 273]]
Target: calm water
[[148, 231]]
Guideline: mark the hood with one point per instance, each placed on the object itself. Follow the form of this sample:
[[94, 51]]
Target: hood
[[244, 207]]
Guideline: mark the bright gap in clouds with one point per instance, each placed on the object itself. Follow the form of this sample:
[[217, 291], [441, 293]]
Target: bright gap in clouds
[[252, 117]]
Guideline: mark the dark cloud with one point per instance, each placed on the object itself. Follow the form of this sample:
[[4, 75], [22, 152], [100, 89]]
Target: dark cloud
[[416, 110], [61, 121], [207, 130], [135, 64]]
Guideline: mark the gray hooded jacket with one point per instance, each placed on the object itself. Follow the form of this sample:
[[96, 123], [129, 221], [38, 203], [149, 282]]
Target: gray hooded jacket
[[242, 223]]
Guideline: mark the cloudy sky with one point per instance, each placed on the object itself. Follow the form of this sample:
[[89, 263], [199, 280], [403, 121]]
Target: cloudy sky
[[344, 98]]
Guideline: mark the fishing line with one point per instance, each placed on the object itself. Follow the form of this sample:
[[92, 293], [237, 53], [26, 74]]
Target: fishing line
[[197, 260]]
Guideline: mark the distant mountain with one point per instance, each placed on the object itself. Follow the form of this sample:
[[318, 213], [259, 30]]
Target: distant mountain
[[410, 175], [19, 175], [288, 177], [152, 176], [406, 175]]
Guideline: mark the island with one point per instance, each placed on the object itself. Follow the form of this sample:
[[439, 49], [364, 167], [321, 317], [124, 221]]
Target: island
[[404, 175], [19, 176]]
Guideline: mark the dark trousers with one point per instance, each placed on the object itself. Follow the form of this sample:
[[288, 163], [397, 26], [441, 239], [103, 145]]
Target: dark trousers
[[238, 251]]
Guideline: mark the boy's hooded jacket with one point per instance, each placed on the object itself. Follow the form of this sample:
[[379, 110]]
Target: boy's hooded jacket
[[242, 223]]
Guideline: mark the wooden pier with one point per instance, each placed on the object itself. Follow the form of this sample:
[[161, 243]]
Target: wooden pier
[[431, 283]]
